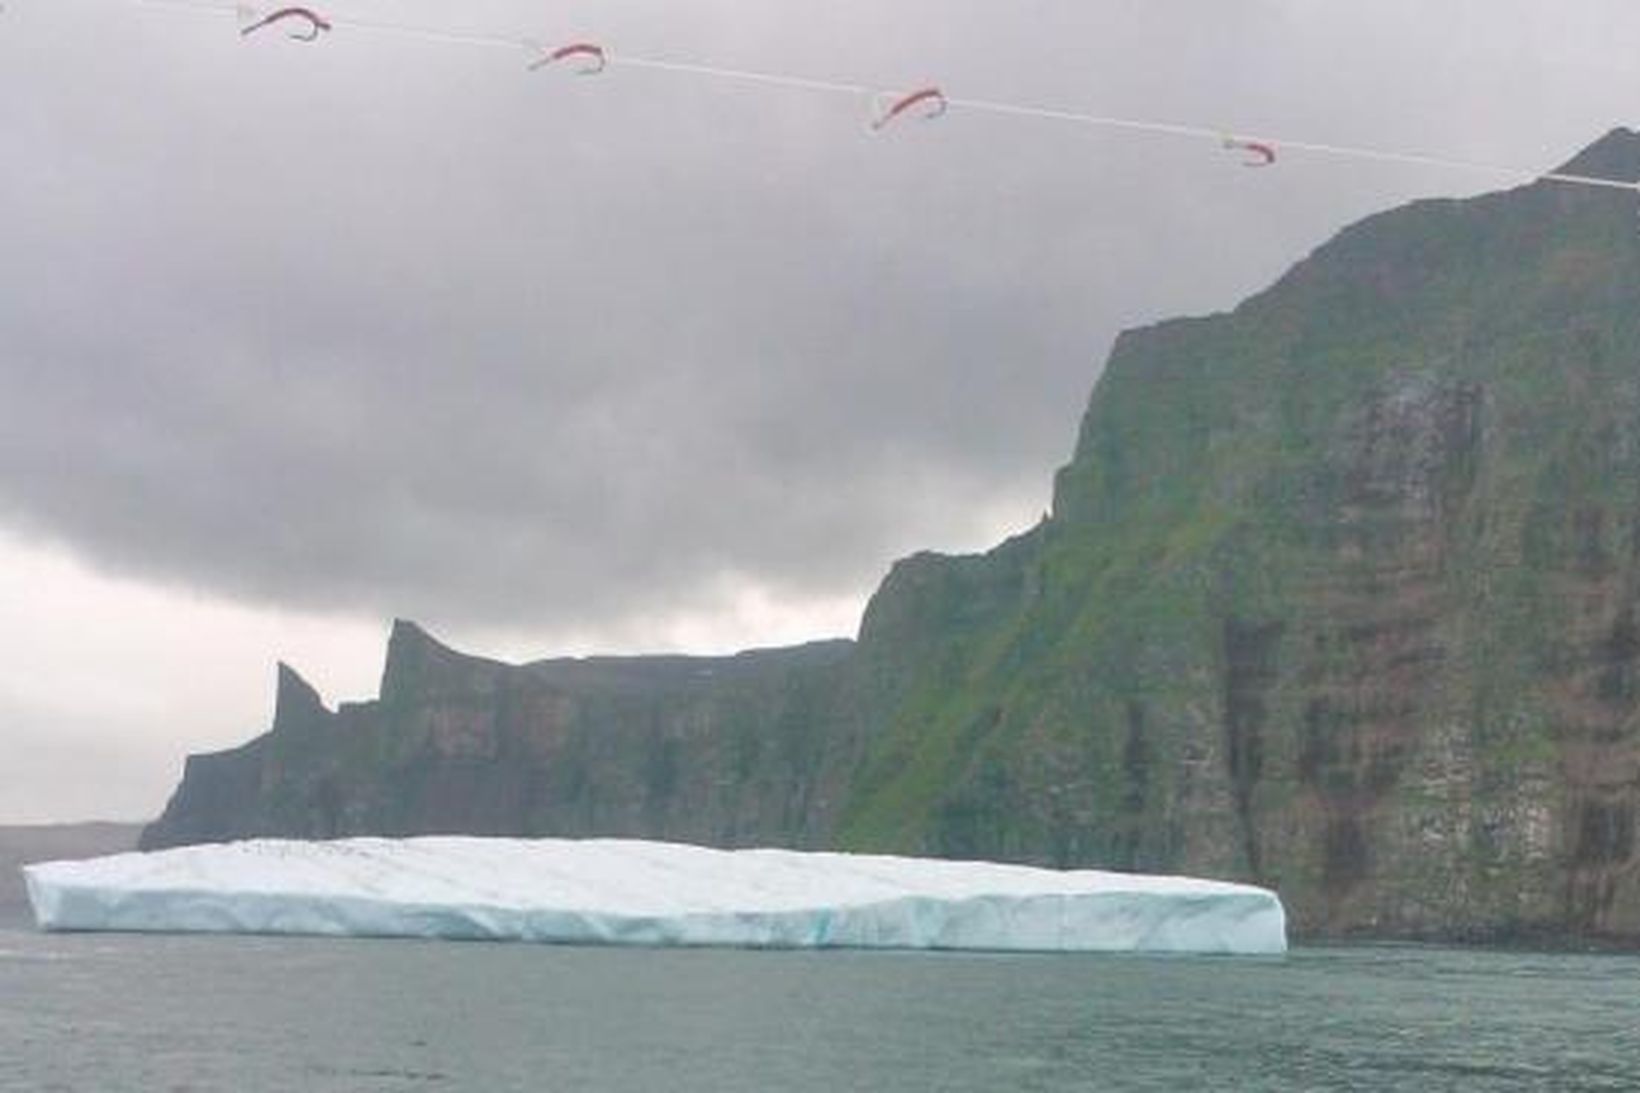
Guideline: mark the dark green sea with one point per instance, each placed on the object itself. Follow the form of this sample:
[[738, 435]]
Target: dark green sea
[[109, 1013]]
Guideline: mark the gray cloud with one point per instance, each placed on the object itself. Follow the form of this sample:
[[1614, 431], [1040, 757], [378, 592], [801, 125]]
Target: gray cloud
[[392, 327], [50, 771]]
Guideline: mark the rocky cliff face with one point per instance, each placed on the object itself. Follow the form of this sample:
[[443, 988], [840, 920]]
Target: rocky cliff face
[[722, 750], [1339, 595]]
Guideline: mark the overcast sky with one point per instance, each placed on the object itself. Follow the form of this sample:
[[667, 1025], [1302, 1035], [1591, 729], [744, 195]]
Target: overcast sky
[[295, 339]]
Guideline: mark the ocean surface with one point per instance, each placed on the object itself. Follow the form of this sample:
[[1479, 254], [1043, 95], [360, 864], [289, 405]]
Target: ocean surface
[[108, 1013]]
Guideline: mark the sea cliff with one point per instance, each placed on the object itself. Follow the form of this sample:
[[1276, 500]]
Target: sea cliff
[[1338, 595]]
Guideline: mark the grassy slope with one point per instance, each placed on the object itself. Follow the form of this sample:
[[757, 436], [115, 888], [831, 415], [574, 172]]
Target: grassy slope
[[1215, 486]]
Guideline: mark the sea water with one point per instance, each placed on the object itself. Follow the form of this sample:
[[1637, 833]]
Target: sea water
[[112, 1012]]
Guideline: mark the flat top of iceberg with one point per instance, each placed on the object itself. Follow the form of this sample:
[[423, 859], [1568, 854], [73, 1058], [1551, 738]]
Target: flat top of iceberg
[[554, 888], [629, 876]]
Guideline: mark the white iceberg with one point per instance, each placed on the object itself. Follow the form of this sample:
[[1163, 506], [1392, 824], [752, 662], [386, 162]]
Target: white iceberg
[[628, 892]]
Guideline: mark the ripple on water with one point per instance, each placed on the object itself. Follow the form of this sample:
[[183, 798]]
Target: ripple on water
[[118, 1013]]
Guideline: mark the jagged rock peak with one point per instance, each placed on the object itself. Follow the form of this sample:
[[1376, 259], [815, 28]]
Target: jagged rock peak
[[1615, 155], [295, 699], [408, 637], [418, 662], [408, 648]]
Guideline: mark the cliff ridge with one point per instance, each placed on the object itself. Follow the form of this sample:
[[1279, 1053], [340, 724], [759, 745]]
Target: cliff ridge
[[1340, 594]]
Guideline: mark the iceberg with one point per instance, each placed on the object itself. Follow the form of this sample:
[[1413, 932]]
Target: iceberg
[[631, 892]]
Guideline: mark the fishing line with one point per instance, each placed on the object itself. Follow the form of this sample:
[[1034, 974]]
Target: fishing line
[[996, 108]]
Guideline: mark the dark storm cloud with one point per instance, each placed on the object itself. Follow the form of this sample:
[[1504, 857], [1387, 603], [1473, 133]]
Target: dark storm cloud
[[390, 326]]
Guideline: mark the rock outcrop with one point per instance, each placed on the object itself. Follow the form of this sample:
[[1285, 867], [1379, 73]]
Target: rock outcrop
[[727, 751], [1339, 595]]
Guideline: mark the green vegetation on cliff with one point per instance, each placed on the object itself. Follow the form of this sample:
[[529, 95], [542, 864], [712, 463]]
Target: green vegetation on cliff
[[1338, 594]]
